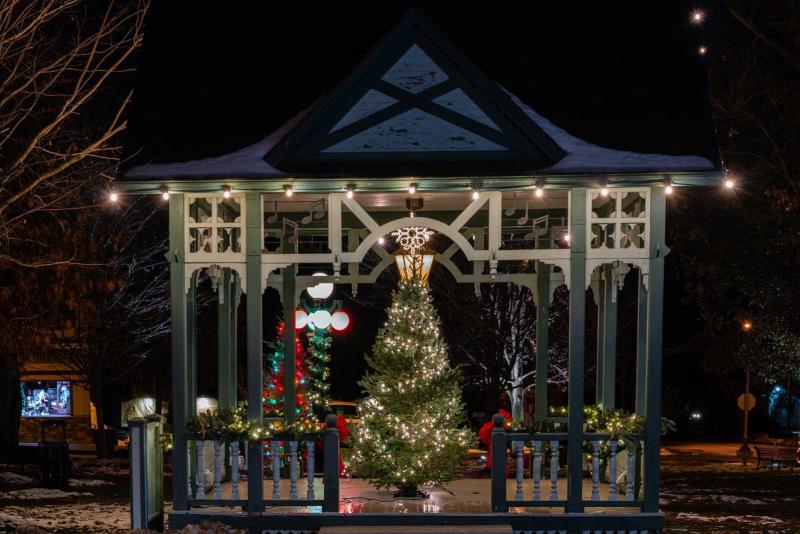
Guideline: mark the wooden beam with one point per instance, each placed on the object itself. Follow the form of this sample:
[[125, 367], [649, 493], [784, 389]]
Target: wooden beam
[[224, 340], [542, 339], [255, 359], [608, 399], [655, 296], [179, 406], [577, 332]]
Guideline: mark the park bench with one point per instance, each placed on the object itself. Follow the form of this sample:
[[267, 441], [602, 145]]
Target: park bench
[[774, 456]]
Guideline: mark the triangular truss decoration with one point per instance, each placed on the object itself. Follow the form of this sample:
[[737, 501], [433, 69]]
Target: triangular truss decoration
[[415, 105]]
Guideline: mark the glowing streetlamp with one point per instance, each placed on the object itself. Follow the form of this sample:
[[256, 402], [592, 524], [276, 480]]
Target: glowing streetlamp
[[414, 259]]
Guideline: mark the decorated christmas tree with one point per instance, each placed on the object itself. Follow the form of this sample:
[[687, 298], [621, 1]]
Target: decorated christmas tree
[[316, 363], [274, 393], [410, 432]]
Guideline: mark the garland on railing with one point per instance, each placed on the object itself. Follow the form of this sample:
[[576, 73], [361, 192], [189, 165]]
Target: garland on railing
[[232, 423]]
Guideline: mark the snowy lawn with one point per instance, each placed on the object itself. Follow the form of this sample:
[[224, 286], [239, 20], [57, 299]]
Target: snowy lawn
[[706, 489]]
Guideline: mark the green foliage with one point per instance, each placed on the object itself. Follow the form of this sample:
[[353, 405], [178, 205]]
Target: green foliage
[[410, 431], [232, 423]]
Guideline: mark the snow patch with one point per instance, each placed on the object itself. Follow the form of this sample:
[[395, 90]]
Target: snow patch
[[91, 517], [758, 519], [42, 493], [87, 483], [15, 479]]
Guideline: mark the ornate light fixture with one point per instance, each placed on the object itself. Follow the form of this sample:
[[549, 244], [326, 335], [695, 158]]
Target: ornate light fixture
[[414, 258]]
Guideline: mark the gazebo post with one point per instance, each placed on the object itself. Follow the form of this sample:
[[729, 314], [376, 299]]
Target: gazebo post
[[180, 374], [236, 297], [655, 295], [609, 376], [289, 356], [224, 341], [599, 292], [191, 369], [577, 318], [542, 339], [641, 347], [255, 359]]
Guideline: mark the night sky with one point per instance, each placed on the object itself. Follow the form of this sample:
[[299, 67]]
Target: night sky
[[625, 75]]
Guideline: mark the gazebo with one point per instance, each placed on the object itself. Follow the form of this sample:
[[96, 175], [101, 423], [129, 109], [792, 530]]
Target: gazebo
[[418, 136]]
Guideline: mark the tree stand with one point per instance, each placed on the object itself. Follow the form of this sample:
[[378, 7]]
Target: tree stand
[[411, 491]]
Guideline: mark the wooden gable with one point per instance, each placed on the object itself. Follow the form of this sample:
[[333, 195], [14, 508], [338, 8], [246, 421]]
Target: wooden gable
[[415, 105]]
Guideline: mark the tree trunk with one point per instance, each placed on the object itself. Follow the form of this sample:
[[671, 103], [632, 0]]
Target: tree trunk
[[9, 409], [515, 395]]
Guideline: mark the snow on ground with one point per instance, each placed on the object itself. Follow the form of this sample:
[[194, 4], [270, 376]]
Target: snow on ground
[[15, 479], [42, 493], [102, 467], [750, 519], [87, 483], [92, 517]]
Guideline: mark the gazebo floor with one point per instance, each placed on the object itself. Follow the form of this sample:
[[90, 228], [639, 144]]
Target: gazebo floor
[[465, 495]]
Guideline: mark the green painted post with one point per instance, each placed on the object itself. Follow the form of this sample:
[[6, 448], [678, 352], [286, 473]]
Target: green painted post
[[655, 295], [288, 344], [236, 296], [255, 359], [599, 297], [223, 340], [609, 340], [330, 469], [542, 340], [577, 332], [498, 492], [191, 344], [180, 375], [641, 347]]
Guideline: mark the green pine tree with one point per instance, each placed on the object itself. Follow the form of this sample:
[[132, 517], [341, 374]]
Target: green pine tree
[[410, 432]]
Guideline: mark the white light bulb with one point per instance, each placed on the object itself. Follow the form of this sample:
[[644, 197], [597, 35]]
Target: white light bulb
[[566, 238], [604, 191], [668, 190], [476, 194], [226, 193], [165, 195], [113, 197], [729, 183], [288, 190], [697, 16], [702, 50], [539, 192], [349, 193], [412, 188], [381, 240]]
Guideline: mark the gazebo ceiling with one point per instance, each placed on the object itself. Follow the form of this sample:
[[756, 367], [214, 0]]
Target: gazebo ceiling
[[417, 106]]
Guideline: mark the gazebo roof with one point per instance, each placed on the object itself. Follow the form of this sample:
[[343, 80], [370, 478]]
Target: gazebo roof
[[417, 106]]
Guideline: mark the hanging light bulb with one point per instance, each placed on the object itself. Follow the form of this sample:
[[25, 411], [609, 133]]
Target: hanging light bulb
[[113, 196], [538, 188], [667, 186], [475, 194], [412, 188], [288, 191], [226, 191], [351, 188], [729, 183], [697, 16], [165, 192]]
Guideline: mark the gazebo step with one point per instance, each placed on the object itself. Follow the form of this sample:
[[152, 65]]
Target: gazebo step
[[416, 529]]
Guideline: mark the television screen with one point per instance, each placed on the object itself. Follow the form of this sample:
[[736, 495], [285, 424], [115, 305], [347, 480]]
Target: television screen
[[46, 398]]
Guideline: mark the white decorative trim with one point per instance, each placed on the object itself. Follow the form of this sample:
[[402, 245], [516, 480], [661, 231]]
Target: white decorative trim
[[190, 268]]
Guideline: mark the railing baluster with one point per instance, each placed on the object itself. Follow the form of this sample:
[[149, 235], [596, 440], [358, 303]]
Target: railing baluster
[[595, 470], [201, 470], [554, 470], [217, 469], [188, 466], [612, 466], [630, 476], [234, 448], [276, 471], [293, 471], [537, 470], [520, 468], [310, 469]]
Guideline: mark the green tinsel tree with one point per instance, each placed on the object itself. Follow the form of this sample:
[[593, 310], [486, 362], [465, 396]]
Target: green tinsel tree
[[319, 343], [410, 432]]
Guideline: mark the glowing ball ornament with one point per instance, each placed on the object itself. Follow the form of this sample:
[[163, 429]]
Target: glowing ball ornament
[[322, 290], [300, 318], [320, 319], [340, 320]]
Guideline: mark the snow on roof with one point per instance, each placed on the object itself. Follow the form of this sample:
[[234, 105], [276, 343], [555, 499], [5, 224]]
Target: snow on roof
[[581, 157]]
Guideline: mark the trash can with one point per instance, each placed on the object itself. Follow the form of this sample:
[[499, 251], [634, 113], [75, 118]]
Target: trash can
[[53, 455]]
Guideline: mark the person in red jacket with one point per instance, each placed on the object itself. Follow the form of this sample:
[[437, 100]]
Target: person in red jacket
[[485, 435]]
